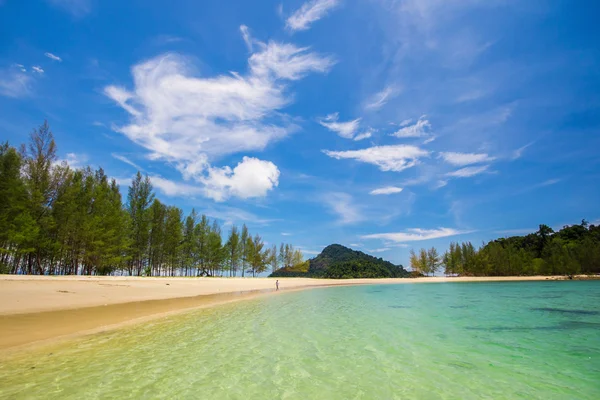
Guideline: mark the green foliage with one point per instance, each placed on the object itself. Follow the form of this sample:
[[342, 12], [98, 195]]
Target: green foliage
[[573, 250], [57, 220], [339, 262]]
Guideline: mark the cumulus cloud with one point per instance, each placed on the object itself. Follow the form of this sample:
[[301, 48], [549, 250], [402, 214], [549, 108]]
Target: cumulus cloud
[[415, 235], [379, 99], [386, 190], [388, 158], [419, 129], [461, 159], [250, 178], [468, 172], [310, 12], [190, 120], [343, 129]]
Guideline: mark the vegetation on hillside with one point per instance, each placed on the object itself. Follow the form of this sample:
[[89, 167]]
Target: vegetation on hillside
[[59, 220], [339, 262], [572, 250]]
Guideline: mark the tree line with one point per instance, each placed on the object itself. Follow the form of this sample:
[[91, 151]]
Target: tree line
[[574, 249], [57, 220]]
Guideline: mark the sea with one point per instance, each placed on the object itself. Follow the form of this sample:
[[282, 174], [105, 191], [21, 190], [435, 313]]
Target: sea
[[484, 340]]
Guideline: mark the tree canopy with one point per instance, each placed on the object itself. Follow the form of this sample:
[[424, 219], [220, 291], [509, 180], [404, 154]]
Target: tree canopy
[[58, 220]]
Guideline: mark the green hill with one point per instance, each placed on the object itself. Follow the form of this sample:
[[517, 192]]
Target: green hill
[[339, 262]]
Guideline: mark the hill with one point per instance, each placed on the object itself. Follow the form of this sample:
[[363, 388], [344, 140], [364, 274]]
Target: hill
[[339, 262]]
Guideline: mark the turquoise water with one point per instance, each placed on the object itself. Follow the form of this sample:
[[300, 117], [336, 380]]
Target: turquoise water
[[428, 341]]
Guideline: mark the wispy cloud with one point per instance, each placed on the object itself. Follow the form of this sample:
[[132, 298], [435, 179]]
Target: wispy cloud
[[126, 161], [286, 234], [343, 129], [419, 129], [386, 190], [310, 12], [37, 69], [388, 158], [548, 182], [468, 172], [518, 153], [416, 235], [190, 121], [343, 206], [365, 135], [381, 250], [73, 160], [14, 82], [53, 57], [246, 36], [462, 159], [77, 8], [523, 231], [379, 99], [175, 189]]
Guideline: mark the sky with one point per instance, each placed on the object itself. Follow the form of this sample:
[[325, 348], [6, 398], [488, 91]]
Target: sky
[[382, 125]]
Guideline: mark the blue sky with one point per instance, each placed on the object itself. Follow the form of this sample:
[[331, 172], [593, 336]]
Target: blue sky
[[378, 124]]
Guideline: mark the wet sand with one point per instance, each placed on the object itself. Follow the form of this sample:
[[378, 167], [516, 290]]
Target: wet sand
[[39, 309]]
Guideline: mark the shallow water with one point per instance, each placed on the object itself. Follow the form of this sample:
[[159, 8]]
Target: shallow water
[[428, 341]]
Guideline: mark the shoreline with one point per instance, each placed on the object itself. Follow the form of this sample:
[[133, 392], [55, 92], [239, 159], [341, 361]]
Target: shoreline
[[39, 310]]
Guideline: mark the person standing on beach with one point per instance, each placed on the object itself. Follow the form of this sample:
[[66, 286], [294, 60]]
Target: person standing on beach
[[277, 284]]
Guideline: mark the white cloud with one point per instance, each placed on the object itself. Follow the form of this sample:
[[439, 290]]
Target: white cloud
[[77, 8], [419, 129], [356, 244], [406, 122], [73, 160], [518, 153], [415, 235], [190, 121], [53, 57], [381, 250], [440, 184], [310, 12], [461, 159], [548, 182], [250, 178], [379, 99], [468, 172], [21, 67], [126, 161], [175, 189], [342, 205], [246, 36], [37, 69], [365, 135], [286, 234], [343, 129], [311, 252], [388, 158], [15, 83], [429, 140], [386, 190]]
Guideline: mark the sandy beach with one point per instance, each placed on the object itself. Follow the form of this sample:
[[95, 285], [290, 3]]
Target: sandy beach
[[38, 309]]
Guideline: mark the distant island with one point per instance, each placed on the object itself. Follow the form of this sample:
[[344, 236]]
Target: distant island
[[340, 262]]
